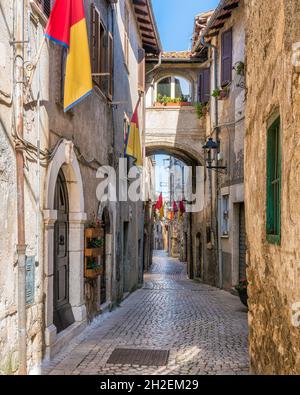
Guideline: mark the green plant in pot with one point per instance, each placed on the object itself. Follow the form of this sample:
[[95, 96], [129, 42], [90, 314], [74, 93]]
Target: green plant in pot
[[221, 93], [242, 291], [201, 110]]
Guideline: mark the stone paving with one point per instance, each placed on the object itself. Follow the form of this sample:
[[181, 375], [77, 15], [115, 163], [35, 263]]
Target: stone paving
[[204, 328]]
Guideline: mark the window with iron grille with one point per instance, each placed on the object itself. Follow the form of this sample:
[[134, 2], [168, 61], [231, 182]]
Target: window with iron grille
[[46, 6], [225, 215], [273, 182]]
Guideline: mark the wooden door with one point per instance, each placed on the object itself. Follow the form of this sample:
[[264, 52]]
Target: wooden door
[[62, 311], [242, 243]]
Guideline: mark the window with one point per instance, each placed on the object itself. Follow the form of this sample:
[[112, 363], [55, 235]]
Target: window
[[225, 215], [164, 87], [46, 6], [126, 36], [204, 86], [141, 70], [174, 88], [110, 65], [226, 58], [98, 50], [273, 182]]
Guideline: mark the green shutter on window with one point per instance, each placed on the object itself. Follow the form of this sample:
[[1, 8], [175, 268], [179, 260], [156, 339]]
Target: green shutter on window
[[273, 183]]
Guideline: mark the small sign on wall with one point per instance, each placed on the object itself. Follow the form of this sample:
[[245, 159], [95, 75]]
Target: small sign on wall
[[30, 279]]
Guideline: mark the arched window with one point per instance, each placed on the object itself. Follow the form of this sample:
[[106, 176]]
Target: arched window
[[174, 88]]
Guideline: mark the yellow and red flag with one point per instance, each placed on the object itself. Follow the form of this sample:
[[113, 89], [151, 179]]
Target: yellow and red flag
[[160, 206], [133, 144], [67, 27]]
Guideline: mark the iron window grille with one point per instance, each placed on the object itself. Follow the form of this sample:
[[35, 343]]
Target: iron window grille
[[273, 183]]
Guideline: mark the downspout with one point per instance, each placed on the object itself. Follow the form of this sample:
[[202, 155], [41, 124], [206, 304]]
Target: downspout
[[21, 247], [217, 129]]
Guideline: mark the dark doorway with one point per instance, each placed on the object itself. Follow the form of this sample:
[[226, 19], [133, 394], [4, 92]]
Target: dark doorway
[[242, 243], [125, 257], [103, 275], [103, 280], [199, 258], [62, 311]]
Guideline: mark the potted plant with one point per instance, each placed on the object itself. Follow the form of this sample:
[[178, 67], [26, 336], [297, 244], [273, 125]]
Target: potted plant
[[242, 291], [163, 101], [201, 110], [221, 93]]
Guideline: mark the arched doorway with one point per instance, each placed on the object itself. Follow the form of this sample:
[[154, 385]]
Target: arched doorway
[[106, 213], [64, 219], [62, 310]]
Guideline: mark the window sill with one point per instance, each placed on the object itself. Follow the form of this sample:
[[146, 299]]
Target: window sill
[[225, 237], [274, 239]]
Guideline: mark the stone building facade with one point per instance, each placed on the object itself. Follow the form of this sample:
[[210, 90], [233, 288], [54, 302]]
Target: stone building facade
[[273, 110], [61, 183], [222, 92]]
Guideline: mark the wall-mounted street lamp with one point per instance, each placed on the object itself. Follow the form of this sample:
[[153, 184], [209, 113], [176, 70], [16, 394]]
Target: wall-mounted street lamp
[[208, 147]]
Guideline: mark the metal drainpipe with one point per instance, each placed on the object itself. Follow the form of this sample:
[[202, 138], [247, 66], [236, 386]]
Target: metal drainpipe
[[21, 247], [218, 197]]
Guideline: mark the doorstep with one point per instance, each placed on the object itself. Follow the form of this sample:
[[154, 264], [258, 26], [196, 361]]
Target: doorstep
[[64, 338]]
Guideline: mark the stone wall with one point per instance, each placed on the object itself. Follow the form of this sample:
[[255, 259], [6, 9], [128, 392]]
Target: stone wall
[[273, 84], [96, 130]]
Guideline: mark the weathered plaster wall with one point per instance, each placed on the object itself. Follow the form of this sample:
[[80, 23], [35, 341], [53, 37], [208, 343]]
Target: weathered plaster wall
[[274, 271], [91, 128], [231, 112]]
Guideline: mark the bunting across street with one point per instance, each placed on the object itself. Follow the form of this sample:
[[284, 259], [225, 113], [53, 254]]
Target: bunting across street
[[67, 27]]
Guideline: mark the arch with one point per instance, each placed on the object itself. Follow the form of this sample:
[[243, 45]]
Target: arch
[[65, 160], [172, 73], [107, 212], [184, 152]]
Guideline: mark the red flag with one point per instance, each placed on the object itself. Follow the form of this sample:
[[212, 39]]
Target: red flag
[[175, 208], [181, 207], [67, 27], [159, 202]]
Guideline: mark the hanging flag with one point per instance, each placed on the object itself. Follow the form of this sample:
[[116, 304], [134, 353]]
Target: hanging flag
[[181, 209], [133, 144], [67, 27], [159, 202], [160, 206], [175, 208]]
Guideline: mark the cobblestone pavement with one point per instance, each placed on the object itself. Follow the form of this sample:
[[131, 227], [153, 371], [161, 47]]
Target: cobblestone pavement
[[204, 328]]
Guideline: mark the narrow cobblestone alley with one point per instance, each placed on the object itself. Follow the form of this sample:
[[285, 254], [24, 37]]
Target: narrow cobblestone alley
[[204, 328]]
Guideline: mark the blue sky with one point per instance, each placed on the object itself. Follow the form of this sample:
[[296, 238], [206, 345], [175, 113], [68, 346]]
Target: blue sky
[[175, 20]]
